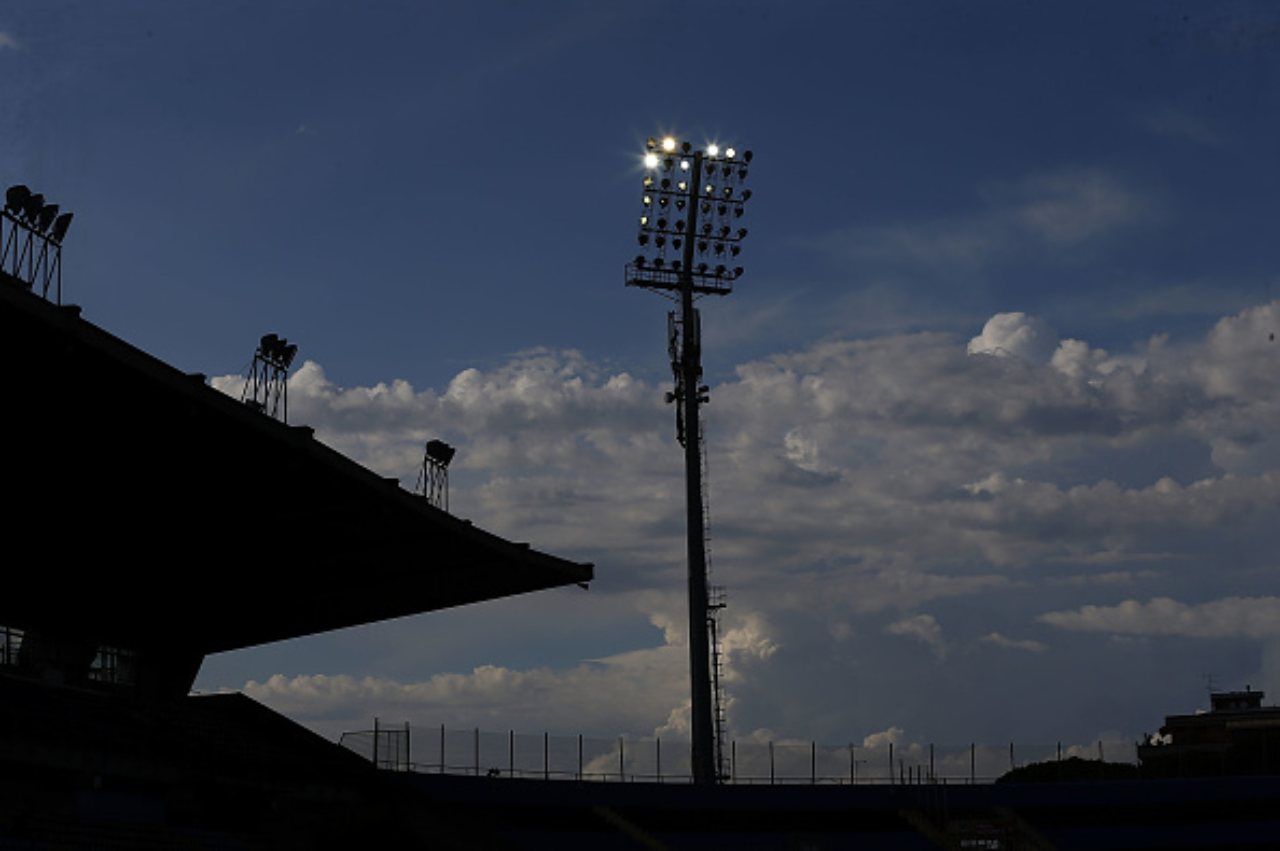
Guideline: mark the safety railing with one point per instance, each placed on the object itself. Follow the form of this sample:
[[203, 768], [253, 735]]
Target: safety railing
[[481, 753]]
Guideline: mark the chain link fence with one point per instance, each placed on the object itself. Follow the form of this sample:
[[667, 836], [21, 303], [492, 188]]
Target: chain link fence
[[480, 753]]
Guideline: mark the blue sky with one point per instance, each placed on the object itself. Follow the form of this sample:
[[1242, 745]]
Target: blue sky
[[1015, 254]]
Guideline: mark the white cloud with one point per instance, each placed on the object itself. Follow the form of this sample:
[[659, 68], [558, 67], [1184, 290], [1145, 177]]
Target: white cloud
[[1069, 207], [1015, 335], [1030, 645], [1056, 211], [852, 483], [1230, 617], [923, 628], [883, 739], [8, 42]]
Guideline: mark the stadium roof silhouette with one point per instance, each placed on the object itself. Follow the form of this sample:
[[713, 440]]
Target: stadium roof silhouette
[[158, 514]]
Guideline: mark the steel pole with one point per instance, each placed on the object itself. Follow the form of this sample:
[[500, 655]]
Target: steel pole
[[701, 724]]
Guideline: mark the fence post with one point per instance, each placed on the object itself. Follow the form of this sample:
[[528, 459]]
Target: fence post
[[973, 763], [375, 741], [511, 753], [891, 763], [1059, 751], [546, 755], [442, 749], [771, 762], [733, 760], [579, 756], [622, 761], [932, 775], [408, 754], [657, 754], [1101, 758], [1012, 765], [853, 771], [813, 762], [477, 751]]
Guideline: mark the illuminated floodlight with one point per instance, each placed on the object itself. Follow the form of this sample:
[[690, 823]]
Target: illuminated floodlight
[[650, 160], [730, 153], [713, 150], [668, 143], [684, 165]]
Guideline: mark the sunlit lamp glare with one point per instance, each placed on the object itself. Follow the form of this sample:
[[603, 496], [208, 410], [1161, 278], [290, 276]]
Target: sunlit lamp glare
[[713, 150], [668, 143], [650, 160]]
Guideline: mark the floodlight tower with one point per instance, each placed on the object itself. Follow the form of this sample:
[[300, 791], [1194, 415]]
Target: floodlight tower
[[433, 476], [266, 388], [693, 203], [31, 234]]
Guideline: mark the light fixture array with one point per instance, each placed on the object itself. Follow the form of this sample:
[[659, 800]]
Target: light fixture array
[[692, 211], [31, 234]]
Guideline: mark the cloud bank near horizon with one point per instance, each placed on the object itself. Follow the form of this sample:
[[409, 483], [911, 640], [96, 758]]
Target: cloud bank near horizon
[[886, 508]]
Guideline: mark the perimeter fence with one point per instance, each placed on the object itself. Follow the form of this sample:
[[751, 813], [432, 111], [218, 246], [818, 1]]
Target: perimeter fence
[[480, 753]]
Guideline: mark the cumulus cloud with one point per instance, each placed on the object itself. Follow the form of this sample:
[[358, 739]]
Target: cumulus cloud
[[1230, 617], [643, 691], [855, 481], [1015, 335]]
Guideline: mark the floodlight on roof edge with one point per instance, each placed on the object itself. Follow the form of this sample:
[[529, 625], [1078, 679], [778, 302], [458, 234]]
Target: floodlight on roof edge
[[433, 475], [31, 235], [712, 185]]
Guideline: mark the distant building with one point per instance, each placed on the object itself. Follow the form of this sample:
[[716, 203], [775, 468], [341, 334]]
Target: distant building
[[1238, 735]]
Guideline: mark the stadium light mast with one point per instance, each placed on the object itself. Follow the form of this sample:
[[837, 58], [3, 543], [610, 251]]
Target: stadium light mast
[[693, 203]]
